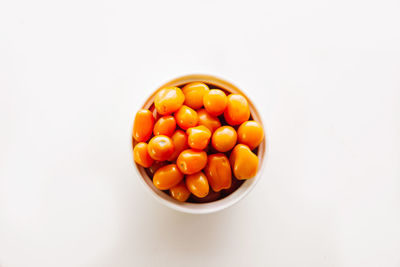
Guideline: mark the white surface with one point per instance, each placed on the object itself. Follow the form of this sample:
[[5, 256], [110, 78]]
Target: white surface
[[325, 75]]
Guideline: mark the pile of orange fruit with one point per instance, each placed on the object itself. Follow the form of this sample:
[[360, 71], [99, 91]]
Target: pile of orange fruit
[[192, 139]]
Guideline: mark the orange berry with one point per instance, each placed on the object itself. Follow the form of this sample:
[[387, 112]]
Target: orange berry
[[198, 137], [215, 102], [207, 120], [180, 192], [224, 138], [167, 177], [141, 155], [143, 125], [237, 110], [186, 117], [191, 161], [160, 147], [168, 100], [179, 139], [165, 126], [244, 162], [250, 133], [197, 183], [218, 172], [194, 93]]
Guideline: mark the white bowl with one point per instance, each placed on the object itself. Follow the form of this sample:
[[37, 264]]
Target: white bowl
[[242, 191]]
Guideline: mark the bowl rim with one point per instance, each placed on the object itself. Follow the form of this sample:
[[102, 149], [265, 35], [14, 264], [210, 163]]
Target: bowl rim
[[238, 194]]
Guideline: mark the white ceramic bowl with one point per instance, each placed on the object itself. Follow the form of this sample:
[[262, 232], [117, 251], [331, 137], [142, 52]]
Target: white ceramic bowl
[[242, 191]]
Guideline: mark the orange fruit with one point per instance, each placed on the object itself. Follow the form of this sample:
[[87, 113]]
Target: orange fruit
[[165, 126], [237, 110], [141, 155], [186, 117], [198, 137], [167, 177], [250, 133], [194, 93], [224, 138], [168, 100], [197, 184], [244, 162], [215, 102], [143, 125], [179, 139], [218, 172], [160, 147], [180, 192], [191, 161]]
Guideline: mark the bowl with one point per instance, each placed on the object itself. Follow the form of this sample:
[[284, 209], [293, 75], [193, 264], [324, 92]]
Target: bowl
[[245, 187]]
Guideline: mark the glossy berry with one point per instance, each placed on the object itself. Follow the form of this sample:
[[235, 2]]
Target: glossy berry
[[180, 141], [215, 102], [143, 125], [165, 126], [198, 137], [250, 133], [244, 162], [194, 93], [180, 192], [167, 177], [191, 161], [186, 117], [197, 184], [168, 100], [218, 172], [141, 155], [160, 147], [224, 138], [237, 110]]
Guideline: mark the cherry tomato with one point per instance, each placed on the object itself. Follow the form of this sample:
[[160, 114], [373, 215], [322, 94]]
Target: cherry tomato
[[191, 161], [198, 137], [244, 162], [212, 196], [197, 183], [141, 156], [156, 165], [143, 125], [160, 147], [165, 126], [167, 177], [218, 172], [251, 134], [215, 102], [212, 123], [186, 117], [224, 138], [194, 93], [180, 192], [179, 139], [237, 110], [168, 100]]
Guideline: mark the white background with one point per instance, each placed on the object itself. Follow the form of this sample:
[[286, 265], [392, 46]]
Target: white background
[[324, 74]]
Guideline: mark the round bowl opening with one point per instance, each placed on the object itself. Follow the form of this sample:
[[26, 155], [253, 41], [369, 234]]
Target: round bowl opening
[[242, 190]]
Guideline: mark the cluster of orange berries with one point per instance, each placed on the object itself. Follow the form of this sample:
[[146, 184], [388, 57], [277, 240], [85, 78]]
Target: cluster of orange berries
[[180, 129]]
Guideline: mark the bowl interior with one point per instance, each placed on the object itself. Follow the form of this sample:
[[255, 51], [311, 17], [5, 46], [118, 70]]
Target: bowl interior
[[238, 193]]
